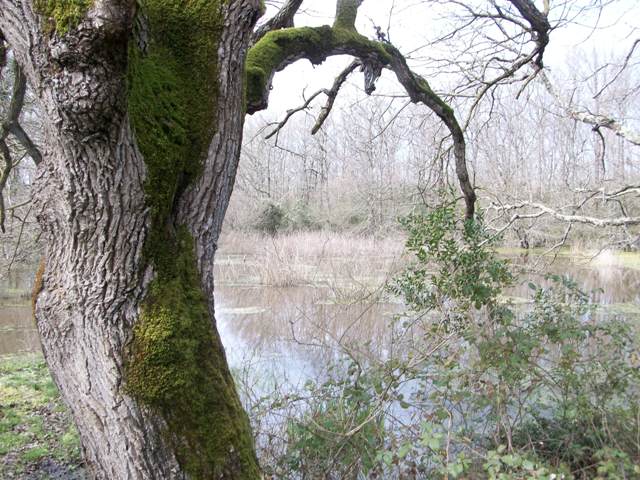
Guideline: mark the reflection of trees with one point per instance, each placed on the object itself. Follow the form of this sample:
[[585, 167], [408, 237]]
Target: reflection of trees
[[304, 317]]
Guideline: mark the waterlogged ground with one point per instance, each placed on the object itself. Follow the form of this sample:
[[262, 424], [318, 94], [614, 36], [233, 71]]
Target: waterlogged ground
[[278, 310]]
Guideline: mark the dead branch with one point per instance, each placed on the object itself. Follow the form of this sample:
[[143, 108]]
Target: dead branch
[[544, 210], [596, 120], [332, 95], [622, 69], [290, 113], [11, 125]]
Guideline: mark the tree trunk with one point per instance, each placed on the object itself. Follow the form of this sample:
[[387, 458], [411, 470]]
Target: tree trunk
[[142, 139]]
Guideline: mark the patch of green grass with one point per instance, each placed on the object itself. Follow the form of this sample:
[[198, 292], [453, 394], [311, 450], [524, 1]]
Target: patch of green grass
[[34, 423], [10, 441], [34, 454], [69, 445]]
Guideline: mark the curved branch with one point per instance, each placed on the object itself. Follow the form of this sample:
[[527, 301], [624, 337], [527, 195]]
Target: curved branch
[[278, 49], [539, 24], [293, 111], [420, 92], [11, 124], [332, 94]]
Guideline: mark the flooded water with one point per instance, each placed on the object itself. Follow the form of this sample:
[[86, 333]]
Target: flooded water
[[281, 331]]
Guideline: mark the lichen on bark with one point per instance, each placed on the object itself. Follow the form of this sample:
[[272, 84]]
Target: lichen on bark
[[176, 363]]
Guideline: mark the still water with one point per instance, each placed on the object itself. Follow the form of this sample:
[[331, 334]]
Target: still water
[[283, 331]]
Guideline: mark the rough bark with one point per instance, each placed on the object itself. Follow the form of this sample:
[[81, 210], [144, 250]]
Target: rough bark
[[94, 298]]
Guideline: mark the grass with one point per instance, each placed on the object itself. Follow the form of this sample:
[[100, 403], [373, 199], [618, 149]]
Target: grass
[[35, 427]]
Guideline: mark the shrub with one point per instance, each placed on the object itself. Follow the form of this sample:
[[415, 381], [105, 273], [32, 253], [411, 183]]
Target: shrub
[[272, 219], [472, 386]]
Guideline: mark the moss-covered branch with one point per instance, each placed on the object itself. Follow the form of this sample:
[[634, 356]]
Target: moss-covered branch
[[346, 14], [280, 48]]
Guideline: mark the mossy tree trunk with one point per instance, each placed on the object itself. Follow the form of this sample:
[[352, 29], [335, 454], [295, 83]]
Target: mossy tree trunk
[[143, 110], [144, 103]]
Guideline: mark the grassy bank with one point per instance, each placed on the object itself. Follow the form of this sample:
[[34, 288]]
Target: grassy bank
[[37, 437]]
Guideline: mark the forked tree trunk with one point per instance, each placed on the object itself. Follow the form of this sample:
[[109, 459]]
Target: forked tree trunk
[[131, 195]]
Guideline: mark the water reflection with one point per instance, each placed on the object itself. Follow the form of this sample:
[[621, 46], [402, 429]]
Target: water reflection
[[288, 330], [284, 331]]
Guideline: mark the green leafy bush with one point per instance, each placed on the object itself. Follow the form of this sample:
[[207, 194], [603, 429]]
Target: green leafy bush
[[471, 385]]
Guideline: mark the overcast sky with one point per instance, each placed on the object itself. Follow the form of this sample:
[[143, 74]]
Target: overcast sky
[[414, 23]]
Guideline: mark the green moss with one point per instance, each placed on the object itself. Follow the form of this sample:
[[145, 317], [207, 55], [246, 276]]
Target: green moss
[[176, 363], [173, 93], [346, 16], [178, 367], [62, 15], [276, 46]]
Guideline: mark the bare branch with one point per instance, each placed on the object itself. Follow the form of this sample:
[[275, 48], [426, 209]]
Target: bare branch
[[293, 111], [544, 210], [11, 125], [596, 120], [332, 95], [622, 69], [282, 19], [324, 113]]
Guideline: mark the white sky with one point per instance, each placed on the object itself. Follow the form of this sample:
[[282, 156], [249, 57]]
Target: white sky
[[414, 23]]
